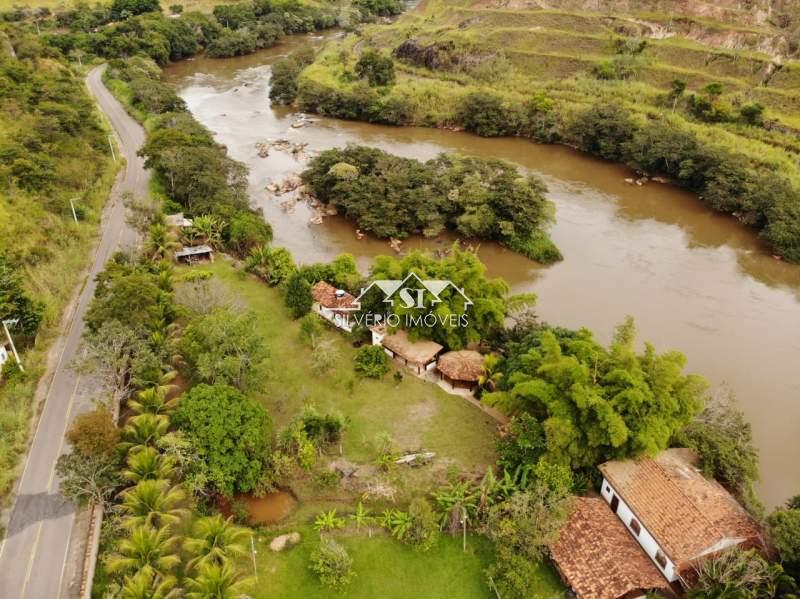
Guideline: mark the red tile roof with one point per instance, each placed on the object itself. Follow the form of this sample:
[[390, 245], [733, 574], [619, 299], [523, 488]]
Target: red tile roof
[[325, 294], [686, 513], [597, 556]]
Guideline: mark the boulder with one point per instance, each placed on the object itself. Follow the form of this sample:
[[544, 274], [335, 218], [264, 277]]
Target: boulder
[[281, 542]]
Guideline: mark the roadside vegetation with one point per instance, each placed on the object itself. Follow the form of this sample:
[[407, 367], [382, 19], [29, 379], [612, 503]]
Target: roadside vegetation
[[721, 123], [53, 148]]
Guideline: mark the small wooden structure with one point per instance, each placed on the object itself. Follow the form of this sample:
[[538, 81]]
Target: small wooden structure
[[195, 253], [461, 369], [419, 356]]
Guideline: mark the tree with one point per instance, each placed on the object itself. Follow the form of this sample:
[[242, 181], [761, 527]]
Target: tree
[[424, 530], [88, 478], [247, 230], [310, 329], [331, 562], [224, 347], [111, 354], [230, 433], [604, 130], [457, 322], [215, 540], [145, 549], [152, 503], [298, 296], [15, 302], [522, 527], [724, 439], [161, 242], [483, 113], [147, 463], [153, 400], [371, 362], [144, 429], [783, 525], [596, 404], [94, 433], [214, 581], [283, 81], [146, 584], [376, 68], [121, 9]]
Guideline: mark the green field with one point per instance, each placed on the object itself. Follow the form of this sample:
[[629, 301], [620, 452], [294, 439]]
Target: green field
[[417, 415]]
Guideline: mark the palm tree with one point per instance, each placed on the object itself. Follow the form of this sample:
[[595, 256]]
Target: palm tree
[[161, 242], [152, 502], [146, 549], [215, 540], [146, 584], [328, 521], [217, 582], [144, 429], [147, 463], [154, 401]]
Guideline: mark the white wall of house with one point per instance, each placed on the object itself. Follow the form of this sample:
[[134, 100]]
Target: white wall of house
[[377, 338], [645, 539], [341, 321], [3, 355]]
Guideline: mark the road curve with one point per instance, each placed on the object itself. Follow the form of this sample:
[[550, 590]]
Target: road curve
[[34, 555]]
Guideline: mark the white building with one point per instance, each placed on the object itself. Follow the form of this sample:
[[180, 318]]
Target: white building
[[334, 305], [676, 514]]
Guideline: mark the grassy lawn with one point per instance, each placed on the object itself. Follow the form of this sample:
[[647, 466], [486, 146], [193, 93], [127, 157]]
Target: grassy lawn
[[417, 415], [388, 569], [384, 568]]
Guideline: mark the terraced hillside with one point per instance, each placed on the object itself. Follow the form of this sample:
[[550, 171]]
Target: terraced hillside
[[707, 94]]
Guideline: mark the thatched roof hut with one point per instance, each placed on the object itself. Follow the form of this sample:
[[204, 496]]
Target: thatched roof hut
[[414, 353], [465, 366]]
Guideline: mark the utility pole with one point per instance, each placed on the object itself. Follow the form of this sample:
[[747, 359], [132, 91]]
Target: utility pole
[[464, 526], [12, 322], [72, 205], [111, 145], [253, 551]]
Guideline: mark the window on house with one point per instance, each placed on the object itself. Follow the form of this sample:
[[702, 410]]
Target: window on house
[[635, 527], [661, 559]]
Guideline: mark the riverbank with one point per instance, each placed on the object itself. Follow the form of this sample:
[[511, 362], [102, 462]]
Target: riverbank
[[694, 279]]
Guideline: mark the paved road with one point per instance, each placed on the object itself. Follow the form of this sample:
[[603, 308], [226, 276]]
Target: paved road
[[33, 557]]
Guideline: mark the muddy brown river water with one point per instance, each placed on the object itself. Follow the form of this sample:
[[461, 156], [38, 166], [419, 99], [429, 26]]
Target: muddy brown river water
[[694, 280]]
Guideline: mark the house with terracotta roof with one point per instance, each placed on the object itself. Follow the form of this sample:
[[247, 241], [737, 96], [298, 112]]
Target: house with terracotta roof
[[656, 518], [676, 514], [334, 305], [598, 559]]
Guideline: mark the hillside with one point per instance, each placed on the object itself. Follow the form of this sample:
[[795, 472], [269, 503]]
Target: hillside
[[707, 95], [53, 148]]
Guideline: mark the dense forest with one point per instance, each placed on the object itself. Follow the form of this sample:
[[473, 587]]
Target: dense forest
[[395, 197]]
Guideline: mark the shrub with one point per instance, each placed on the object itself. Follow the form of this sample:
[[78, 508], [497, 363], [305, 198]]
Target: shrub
[[483, 113], [376, 68], [247, 230], [298, 295], [371, 362], [331, 562], [424, 530], [94, 433]]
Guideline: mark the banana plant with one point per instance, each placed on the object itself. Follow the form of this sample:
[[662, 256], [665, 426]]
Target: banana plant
[[362, 517], [328, 521]]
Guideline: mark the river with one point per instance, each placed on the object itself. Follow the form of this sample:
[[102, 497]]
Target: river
[[694, 280]]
